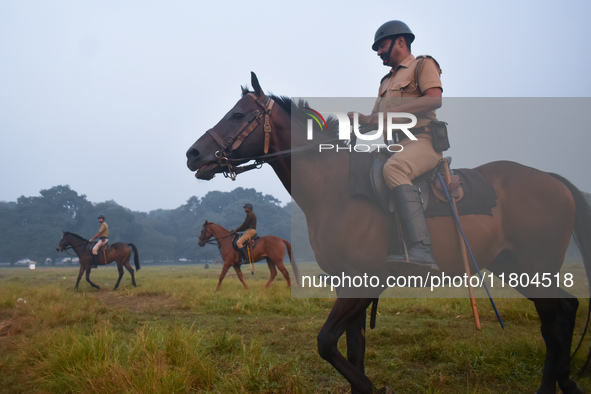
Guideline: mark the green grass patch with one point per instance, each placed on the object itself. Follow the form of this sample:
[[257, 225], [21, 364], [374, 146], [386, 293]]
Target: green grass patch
[[174, 334]]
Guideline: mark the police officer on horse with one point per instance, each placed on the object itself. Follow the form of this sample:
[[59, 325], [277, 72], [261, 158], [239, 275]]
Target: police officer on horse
[[250, 230], [103, 239], [413, 85]]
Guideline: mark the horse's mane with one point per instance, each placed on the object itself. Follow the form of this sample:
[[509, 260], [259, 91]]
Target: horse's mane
[[287, 103], [75, 235], [217, 225]]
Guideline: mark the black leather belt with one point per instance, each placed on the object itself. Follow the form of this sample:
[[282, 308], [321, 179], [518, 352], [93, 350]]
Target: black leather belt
[[401, 136]]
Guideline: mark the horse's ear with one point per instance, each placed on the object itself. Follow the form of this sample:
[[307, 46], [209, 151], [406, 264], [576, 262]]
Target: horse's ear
[[244, 90], [255, 84]]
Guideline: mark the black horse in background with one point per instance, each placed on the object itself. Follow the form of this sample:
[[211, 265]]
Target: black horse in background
[[119, 252]]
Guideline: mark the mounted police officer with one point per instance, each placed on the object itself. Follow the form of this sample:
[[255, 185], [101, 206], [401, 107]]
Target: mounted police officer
[[250, 230], [103, 239], [413, 85]]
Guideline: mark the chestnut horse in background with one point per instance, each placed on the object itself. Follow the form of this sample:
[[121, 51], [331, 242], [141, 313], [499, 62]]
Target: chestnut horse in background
[[528, 232], [119, 252], [269, 247]]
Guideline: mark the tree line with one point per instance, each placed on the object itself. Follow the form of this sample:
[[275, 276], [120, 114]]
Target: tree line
[[32, 227]]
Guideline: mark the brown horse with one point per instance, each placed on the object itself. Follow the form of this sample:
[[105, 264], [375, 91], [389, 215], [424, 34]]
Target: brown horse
[[119, 252], [269, 247], [528, 232]]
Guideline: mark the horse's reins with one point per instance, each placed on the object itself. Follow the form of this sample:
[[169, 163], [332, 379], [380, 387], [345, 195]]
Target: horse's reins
[[72, 247], [82, 244], [260, 160], [66, 250], [219, 245], [215, 241]]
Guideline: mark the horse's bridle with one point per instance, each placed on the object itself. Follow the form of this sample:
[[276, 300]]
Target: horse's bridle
[[213, 241], [203, 233], [70, 246], [233, 142]]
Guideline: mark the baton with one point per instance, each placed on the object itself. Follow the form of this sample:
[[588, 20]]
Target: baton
[[455, 214], [250, 261], [462, 246]]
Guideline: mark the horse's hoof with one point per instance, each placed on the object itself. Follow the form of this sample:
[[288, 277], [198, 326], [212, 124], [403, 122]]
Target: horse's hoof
[[572, 387], [386, 390]]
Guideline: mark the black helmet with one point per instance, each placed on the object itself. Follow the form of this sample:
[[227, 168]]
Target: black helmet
[[392, 28], [101, 217], [248, 205]]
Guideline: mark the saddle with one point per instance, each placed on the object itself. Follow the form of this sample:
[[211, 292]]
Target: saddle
[[252, 243], [472, 193]]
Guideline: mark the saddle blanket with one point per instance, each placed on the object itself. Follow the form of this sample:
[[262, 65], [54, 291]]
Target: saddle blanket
[[366, 181]]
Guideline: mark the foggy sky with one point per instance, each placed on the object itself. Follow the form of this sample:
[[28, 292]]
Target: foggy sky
[[108, 96]]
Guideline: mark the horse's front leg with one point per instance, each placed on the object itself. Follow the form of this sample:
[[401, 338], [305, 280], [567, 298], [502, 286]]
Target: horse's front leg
[[346, 314], [79, 277], [225, 269], [240, 276], [88, 279]]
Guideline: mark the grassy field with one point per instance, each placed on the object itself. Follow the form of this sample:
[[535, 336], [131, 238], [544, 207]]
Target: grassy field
[[174, 334]]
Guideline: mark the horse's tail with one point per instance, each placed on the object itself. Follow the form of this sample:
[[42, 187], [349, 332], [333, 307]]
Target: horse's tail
[[136, 256], [294, 266], [582, 237]]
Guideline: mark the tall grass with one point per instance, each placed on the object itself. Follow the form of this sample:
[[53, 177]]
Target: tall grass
[[174, 334]]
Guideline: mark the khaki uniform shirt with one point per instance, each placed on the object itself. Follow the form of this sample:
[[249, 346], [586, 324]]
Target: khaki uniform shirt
[[103, 231], [400, 85], [249, 223]]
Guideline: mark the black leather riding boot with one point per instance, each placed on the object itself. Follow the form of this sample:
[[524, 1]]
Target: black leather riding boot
[[94, 261], [244, 255], [414, 228]]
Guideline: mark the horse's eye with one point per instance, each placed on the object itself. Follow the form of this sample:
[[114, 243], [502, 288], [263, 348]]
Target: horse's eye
[[238, 115]]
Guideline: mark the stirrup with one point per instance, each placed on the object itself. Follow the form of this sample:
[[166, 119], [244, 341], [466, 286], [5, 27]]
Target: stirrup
[[397, 259], [414, 257]]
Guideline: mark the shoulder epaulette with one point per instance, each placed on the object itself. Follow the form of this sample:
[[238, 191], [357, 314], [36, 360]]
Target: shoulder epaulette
[[429, 57]]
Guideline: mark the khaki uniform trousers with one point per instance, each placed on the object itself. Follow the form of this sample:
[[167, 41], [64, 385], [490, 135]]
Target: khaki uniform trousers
[[247, 236], [99, 244], [416, 158]]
